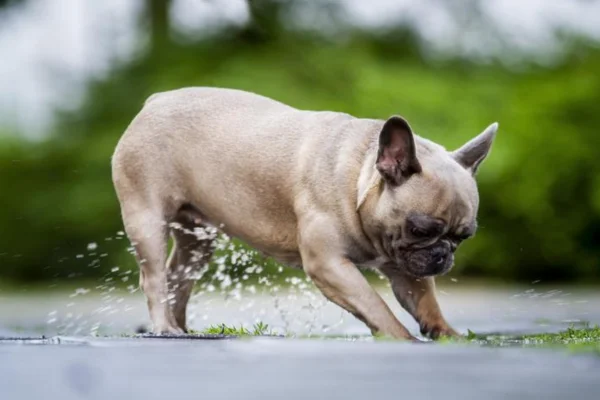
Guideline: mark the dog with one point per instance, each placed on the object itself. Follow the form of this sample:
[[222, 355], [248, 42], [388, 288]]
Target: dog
[[323, 191]]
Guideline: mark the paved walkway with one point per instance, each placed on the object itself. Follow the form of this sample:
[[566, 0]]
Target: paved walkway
[[269, 368], [299, 311]]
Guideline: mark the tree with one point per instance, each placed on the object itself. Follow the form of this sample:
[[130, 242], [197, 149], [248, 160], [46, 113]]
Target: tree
[[157, 16]]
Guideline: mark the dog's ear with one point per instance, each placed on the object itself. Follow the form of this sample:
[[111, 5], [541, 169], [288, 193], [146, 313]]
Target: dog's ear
[[472, 154], [397, 155]]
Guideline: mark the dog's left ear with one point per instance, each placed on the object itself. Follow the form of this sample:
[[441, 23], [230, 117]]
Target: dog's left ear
[[472, 154], [397, 155]]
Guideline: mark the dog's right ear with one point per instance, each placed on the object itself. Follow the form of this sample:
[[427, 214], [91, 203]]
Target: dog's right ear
[[472, 154], [396, 157]]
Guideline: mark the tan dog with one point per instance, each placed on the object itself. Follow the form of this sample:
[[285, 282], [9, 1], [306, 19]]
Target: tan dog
[[319, 190]]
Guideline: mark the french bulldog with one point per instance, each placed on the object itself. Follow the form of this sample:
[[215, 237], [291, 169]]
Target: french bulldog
[[319, 190]]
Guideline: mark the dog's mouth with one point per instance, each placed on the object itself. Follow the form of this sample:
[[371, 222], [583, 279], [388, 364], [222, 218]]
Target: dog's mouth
[[436, 259], [427, 262]]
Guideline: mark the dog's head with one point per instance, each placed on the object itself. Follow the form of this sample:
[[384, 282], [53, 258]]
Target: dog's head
[[427, 201]]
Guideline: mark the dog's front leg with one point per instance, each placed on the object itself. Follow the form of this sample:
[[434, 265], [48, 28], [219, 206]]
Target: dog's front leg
[[342, 283], [417, 296]]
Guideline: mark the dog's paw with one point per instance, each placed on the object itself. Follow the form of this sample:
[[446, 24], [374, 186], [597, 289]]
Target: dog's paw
[[437, 331], [168, 330]]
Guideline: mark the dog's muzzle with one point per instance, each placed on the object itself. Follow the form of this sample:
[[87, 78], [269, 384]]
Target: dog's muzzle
[[436, 259]]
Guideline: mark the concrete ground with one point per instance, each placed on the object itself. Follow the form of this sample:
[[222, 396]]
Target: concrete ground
[[78, 365]]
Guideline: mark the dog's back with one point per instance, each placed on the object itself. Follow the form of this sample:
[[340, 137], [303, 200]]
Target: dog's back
[[237, 157]]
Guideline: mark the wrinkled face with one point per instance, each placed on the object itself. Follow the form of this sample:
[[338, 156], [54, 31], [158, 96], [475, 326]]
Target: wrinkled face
[[424, 245], [428, 203], [423, 222]]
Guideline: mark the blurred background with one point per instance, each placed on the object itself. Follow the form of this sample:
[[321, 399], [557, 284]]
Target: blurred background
[[73, 73]]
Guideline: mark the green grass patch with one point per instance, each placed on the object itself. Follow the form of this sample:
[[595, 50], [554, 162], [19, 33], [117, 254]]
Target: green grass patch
[[258, 329], [584, 338], [576, 339]]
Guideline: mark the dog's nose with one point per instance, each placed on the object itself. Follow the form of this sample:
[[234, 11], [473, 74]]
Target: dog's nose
[[439, 255]]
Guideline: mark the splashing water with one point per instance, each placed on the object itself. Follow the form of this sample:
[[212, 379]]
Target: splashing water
[[238, 287]]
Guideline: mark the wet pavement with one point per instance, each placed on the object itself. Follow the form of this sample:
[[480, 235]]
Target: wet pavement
[[76, 365], [290, 369], [86, 311]]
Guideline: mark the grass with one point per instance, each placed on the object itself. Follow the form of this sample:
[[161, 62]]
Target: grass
[[574, 339], [258, 329]]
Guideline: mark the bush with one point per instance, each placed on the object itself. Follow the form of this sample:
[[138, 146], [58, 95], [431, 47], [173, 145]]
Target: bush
[[540, 189]]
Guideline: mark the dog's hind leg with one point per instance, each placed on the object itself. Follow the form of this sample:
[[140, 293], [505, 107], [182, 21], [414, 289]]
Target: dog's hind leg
[[147, 231], [192, 249]]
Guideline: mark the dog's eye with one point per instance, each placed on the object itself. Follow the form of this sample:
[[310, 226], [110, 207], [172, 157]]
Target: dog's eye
[[419, 233], [460, 238]]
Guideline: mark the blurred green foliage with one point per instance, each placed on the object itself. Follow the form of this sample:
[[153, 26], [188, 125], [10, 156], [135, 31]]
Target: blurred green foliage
[[540, 188]]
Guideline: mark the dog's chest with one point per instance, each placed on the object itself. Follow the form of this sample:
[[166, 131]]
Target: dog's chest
[[376, 262], [289, 258], [366, 259]]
